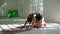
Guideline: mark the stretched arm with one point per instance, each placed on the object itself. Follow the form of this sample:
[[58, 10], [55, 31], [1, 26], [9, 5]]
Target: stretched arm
[[25, 23]]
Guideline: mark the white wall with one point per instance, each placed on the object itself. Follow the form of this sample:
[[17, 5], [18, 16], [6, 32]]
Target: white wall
[[52, 10], [23, 8], [12, 4]]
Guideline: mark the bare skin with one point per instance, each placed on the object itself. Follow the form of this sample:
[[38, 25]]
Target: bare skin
[[34, 21]]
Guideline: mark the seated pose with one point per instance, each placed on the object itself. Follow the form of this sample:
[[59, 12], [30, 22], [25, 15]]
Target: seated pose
[[35, 19]]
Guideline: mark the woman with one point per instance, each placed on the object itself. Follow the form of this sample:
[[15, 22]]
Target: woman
[[35, 19], [38, 20]]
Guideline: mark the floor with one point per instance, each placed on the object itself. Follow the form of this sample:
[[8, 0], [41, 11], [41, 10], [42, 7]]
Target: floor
[[51, 28]]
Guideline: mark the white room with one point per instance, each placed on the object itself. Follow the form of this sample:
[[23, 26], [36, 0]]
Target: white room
[[14, 13]]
